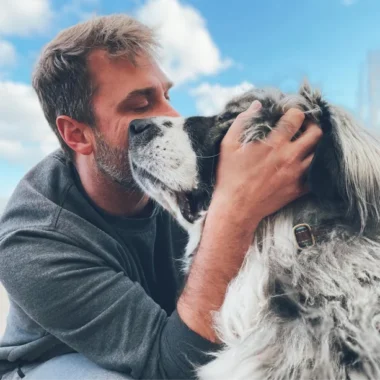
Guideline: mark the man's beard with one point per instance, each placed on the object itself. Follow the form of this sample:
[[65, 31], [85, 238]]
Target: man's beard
[[114, 163]]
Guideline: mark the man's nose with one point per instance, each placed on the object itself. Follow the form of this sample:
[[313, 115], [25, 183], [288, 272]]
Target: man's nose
[[169, 110], [139, 125], [173, 113]]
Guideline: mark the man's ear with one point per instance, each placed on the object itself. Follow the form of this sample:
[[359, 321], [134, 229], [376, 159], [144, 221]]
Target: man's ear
[[78, 136]]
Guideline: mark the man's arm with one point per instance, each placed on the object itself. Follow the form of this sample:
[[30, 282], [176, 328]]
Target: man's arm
[[253, 181], [89, 303]]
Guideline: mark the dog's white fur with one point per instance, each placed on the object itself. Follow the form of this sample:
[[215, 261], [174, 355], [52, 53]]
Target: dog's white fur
[[172, 161], [260, 345]]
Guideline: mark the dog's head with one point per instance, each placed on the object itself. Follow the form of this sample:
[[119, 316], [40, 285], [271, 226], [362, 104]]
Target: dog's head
[[174, 159]]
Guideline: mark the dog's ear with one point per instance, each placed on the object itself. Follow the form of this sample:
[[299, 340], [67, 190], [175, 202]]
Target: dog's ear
[[324, 177], [325, 174], [346, 167], [314, 97], [306, 90]]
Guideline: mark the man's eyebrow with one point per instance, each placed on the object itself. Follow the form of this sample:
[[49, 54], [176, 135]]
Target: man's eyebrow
[[147, 90]]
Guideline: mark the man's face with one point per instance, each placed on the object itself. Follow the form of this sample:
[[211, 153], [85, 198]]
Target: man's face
[[124, 92]]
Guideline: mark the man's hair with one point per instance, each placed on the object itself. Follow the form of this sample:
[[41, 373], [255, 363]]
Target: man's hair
[[62, 79]]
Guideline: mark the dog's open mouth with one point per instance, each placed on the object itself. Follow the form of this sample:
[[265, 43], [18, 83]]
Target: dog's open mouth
[[186, 200], [188, 205]]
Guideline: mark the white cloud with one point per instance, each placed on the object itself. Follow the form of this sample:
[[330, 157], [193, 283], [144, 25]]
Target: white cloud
[[3, 203], [25, 136], [4, 302], [7, 53], [211, 98], [10, 149], [81, 9], [24, 17], [188, 48]]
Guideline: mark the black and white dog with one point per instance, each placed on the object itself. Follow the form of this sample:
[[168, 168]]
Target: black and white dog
[[306, 302]]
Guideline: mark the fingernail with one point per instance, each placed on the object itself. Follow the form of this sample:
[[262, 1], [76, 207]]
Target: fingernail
[[255, 106]]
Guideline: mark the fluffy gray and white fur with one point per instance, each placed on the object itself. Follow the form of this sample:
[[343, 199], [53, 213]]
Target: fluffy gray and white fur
[[290, 314]]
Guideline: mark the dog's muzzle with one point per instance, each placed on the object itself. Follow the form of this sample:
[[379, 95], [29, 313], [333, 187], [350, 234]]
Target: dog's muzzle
[[142, 131], [139, 126]]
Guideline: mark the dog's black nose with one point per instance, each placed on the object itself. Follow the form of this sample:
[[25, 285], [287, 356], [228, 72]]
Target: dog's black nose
[[139, 125]]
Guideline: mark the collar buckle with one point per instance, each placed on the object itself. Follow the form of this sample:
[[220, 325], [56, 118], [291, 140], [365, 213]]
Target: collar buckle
[[304, 236]]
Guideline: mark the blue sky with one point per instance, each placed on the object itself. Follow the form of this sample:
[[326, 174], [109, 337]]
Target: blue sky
[[212, 48]]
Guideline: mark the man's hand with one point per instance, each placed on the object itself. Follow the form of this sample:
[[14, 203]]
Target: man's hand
[[259, 178], [253, 181]]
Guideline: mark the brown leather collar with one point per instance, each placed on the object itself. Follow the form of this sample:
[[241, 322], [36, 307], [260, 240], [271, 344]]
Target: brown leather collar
[[308, 236]]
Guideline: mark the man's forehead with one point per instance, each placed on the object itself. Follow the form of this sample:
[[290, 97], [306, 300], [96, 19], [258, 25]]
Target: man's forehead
[[109, 71]]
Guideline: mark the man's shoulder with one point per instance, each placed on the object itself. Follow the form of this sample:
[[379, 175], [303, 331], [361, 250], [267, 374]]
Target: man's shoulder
[[49, 213], [39, 195]]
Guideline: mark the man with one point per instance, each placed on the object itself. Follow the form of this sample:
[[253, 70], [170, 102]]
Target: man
[[88, 262]]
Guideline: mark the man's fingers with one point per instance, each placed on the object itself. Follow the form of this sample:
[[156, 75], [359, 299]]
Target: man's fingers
[[308, 140], [306, 162], [235, 132], [287, 127]]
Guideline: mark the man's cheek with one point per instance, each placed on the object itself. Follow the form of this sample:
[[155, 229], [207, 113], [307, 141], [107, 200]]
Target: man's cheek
[[118, 133]]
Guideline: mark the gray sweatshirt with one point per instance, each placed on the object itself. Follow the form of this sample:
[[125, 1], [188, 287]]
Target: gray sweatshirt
[[80, 280]]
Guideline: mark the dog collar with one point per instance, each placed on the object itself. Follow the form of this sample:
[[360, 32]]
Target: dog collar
[[307, 236]]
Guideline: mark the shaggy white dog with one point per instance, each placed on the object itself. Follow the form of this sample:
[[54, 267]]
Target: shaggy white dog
[[305, 304]]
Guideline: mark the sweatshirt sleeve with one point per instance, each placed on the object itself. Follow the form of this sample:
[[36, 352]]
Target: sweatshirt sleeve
[[96, 309]]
